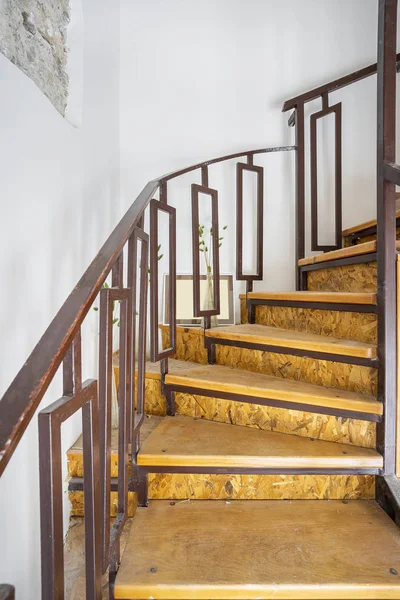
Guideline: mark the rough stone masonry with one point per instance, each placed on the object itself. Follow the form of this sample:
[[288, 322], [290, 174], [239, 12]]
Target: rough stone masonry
[[33, 37]]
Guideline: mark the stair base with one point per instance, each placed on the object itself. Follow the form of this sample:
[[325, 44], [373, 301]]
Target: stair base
[[246, 550]]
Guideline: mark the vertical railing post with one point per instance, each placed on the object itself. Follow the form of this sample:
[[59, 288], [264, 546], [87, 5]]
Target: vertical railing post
[[300, 191], [386, 231], [155, 207], [104, 394], [51, 515]]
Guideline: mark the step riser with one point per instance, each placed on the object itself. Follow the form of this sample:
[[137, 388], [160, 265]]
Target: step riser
[[360, 327], [296, 422], [177, 486], [347, 278], [77, 504], [343, 376]]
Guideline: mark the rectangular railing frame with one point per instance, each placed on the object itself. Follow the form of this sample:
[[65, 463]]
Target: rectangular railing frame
[[297, 119], [337, 111], [197, 310], [155, 353], [51, 491], [141, 311], [110, 538], [240, 276]]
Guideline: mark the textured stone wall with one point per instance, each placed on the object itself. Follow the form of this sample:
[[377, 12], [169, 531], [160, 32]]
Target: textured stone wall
[[33, 37]]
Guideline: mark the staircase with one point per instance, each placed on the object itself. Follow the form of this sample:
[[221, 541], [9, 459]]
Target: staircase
[[288, 411], [260, 460]]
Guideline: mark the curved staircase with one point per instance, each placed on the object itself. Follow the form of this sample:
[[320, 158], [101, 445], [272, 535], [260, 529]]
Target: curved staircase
[[288, 411], [255, 461]]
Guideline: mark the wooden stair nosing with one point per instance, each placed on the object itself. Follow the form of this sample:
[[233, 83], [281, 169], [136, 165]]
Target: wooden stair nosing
[[240, 383], [287, 341], [343, 253], [311, 300], [363, 226], [261, 549], [182, 442], [357, 298]]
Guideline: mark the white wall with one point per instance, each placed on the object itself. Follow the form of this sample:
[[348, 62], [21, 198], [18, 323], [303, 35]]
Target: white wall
[[59, 190], [199, 80]]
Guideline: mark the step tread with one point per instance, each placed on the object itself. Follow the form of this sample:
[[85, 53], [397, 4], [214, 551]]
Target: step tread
[[365, 225], [323, 297], [75, 452], [246, 383], [357, 250], [286, 338], [186, 442], [260, 549]]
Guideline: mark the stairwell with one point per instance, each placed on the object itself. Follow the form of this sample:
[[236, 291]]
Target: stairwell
[[288, 412], [257, 460]]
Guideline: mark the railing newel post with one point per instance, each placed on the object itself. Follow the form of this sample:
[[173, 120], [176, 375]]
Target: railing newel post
[[386, 231], [300, 190]]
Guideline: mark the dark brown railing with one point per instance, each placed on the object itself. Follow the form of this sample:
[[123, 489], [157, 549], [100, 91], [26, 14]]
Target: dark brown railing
[[388, 175], [61, 343], [297, 119], [387, 178]]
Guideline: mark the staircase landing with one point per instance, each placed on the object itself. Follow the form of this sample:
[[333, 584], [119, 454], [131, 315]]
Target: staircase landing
[[261, 549]]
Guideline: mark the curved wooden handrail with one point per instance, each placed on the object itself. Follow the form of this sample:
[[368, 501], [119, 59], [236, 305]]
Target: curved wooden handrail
[[22, 398], [334, 85]]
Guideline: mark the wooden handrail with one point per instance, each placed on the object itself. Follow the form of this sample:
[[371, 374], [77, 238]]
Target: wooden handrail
[[23, 396], [334, 85]]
